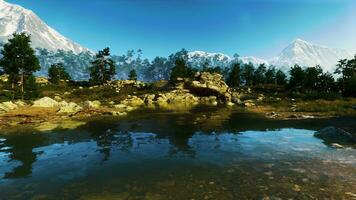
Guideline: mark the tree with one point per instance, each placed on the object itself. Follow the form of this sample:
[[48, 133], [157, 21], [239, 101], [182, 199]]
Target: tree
[[103, 68], [281, 78], [247, 74], [259, 75], [181, 70], [326, 83], [234, 76], [57, 72], [19, 60], [158, 69], [270, 75], [31, 88], [312, 75], [133, 75], [347, 82], [297, 76]]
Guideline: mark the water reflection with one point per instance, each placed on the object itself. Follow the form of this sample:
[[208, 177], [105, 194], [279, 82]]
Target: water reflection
[[171, 135]]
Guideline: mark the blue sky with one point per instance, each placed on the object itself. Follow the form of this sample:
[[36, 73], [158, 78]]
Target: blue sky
[[159, 27]]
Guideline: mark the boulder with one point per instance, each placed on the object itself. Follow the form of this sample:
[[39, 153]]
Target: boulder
[[133, 101], [45, 102], [69, 108], [7, 106], [20, 103], [208, 84], [92, 104], [212, 100], [335, 135]]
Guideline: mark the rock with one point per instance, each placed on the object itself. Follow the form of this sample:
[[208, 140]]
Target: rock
[[45, 102], [4, 78], [70, 108], [92, 104], [41, 80], [249, 103], [7, 106], [116, 113], [120, 106], [210, 84], [212, 100], [20, 103], [335, 135], [307, 117], [133, 101], [149, 99], [57, 98]]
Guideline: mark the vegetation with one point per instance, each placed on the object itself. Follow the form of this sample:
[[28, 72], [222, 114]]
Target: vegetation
[[103, 68], [57, 72], [133, 75], [19, 62]]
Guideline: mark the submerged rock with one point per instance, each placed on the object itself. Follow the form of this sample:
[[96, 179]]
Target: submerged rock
[[45, 102], [335, 135]]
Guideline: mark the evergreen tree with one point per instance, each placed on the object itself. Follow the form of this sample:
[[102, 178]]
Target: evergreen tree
[[326, 83], [281, 78], [181, 70], [259, 75], [297, 76], [347, 68], [31, 88], [270, 75], [133, 75], [235, 75], [312, 75], [19, 60], [103, 68], [57, 73], [247, 74]]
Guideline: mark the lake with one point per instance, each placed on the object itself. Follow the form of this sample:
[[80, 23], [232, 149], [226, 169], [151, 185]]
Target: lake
[[204, 153]]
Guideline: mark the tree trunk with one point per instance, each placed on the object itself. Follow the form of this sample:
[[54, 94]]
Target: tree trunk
[[22, 85]]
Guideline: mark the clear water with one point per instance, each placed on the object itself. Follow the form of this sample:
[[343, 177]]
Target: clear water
[[202, 154]]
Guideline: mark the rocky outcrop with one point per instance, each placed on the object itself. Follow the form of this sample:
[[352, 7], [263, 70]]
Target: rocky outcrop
[[7, 106], [208, 84], [45, 102], [69, 107], [92, 104], [119, 84], [133, 101], [335, 135]]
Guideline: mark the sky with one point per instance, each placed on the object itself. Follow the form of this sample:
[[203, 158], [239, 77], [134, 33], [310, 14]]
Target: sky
[[260, 28]]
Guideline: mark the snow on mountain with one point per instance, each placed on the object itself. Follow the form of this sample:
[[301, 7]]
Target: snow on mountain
[[306, 54], [298, 52], [197, 58], [14, 18]]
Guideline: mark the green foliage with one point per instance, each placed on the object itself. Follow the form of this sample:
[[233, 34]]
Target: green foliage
[[311, 77], [181, 70], [281, 78], [259, 75], [248, 74], [57, 73], [103, 68], [347, 82], [133, 75], [270, 75], [234, 77], [297, 76], [19, 61], [31, 88]]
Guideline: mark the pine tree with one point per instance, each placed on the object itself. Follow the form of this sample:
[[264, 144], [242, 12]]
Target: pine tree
[[270, 75], [297, 77], [103, 68], [235, 75], [57, 73], [133, 75], [247, 74], [259, 75], [19, 60], [181, 70], [281, 78]]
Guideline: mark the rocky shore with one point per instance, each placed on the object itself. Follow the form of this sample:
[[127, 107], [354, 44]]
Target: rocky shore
[[59, 111]]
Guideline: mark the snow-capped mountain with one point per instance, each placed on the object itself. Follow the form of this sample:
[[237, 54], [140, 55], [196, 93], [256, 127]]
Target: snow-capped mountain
[[197, 58], [304, 54], [298, 52], [14, 18]]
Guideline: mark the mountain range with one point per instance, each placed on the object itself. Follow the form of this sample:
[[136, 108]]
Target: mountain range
[[53, 47]]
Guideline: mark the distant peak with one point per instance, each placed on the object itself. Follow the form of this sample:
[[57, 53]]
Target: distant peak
[[300, 41]]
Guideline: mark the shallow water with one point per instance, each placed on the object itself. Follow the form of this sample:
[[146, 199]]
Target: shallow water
[[208, 153]]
